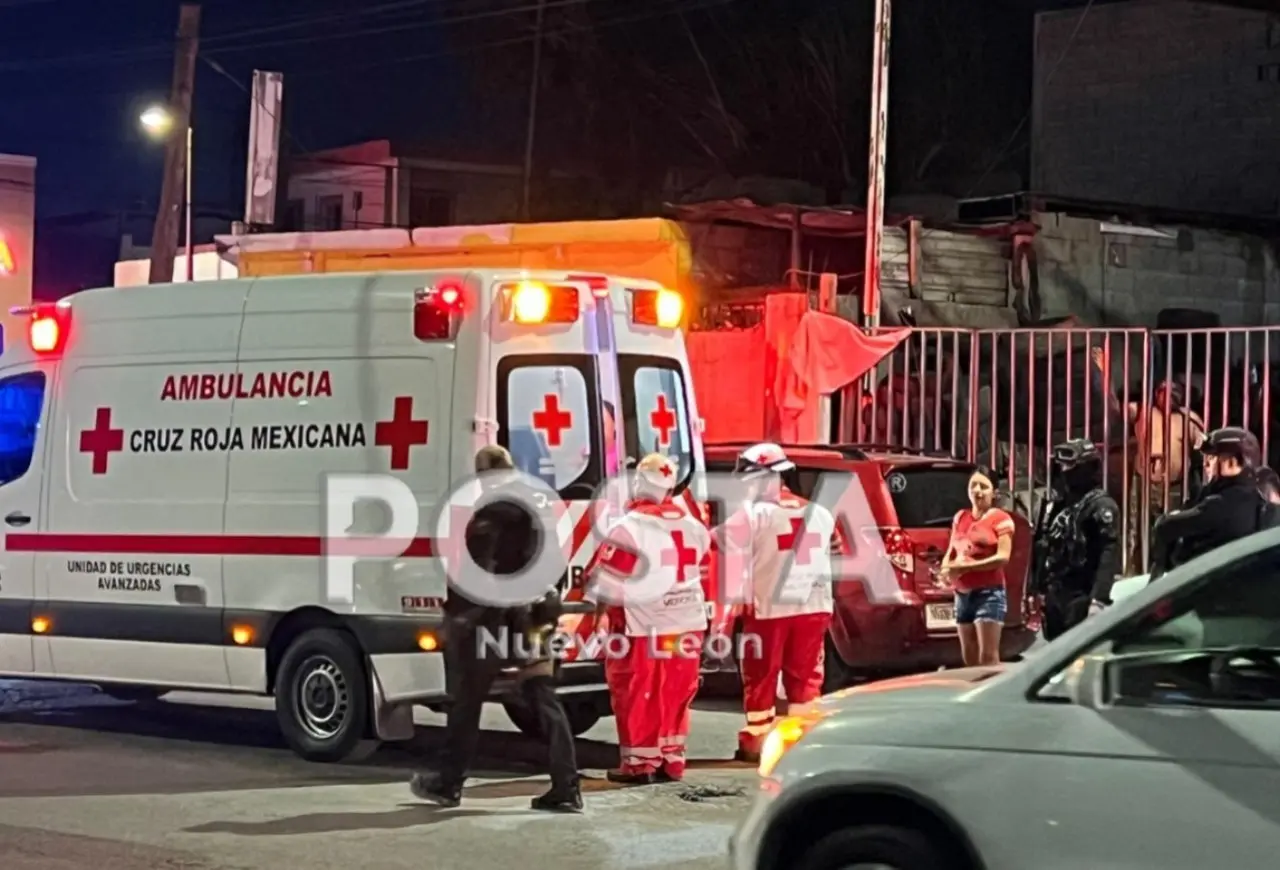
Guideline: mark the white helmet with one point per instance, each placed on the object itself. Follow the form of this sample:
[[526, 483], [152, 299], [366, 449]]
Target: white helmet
[[656, 473], [761, 459]]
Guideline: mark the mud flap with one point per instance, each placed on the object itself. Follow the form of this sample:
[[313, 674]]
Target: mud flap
[[392, 722]]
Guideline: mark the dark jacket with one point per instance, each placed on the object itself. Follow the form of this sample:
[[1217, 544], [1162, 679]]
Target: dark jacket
[[1227, 509], [502, 538]]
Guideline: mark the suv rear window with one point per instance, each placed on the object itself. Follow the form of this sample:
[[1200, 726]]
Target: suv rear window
[[928, 497]]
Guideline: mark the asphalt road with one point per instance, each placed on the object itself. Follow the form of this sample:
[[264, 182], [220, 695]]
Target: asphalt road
[[204, 783]]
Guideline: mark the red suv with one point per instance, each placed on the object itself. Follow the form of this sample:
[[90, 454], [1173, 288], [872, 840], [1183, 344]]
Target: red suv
[[914, 497]]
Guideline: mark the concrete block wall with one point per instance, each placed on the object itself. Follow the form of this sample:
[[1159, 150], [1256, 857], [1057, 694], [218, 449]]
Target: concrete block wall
[[1161, 103], [1118, 279]]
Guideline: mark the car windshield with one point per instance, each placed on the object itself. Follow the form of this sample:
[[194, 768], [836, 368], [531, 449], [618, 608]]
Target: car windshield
[[928, 496]]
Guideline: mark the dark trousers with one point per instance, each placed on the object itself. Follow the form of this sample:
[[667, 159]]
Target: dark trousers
[[471, 680], [1064, 609]]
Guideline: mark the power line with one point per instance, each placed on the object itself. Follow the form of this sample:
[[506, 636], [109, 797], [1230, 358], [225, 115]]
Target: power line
[[133, 55], [677, 8], [331, 17], [1013, 137]]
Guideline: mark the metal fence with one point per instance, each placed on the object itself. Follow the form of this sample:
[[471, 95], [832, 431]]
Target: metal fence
[[1003, 398]]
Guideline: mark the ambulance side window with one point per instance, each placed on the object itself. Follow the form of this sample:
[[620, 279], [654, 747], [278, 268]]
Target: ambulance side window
[[544, 419], [657, 416], [21, 401]]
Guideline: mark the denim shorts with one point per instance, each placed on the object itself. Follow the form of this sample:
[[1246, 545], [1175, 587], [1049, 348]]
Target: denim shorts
[[981, 605]]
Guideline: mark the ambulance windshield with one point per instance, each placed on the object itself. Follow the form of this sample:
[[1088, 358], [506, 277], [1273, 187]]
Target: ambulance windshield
[[655, 416], [544, 404], [21, 403]]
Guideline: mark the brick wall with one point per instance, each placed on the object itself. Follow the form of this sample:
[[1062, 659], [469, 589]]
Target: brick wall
[[1159, 103], [1123, 279]]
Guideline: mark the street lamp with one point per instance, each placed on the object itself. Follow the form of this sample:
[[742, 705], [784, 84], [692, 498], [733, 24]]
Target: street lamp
[[158, 122]]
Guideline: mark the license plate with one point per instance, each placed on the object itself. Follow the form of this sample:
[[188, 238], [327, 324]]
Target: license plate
[[939, 616]]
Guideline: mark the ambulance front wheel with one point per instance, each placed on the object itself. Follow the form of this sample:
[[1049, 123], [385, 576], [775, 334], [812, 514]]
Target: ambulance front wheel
[[583, 716], [322, 697]]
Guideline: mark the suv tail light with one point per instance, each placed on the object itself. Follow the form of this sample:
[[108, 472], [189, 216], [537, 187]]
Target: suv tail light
[[897, 547]]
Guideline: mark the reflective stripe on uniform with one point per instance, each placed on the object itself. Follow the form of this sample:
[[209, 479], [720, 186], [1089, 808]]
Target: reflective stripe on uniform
[[758, 717]]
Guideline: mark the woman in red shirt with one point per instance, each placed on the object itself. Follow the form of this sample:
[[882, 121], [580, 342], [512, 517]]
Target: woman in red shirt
[[981, 542]]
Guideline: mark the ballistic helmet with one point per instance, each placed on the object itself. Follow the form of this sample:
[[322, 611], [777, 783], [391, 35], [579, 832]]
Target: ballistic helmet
[[1232, 441], [1076, 453]]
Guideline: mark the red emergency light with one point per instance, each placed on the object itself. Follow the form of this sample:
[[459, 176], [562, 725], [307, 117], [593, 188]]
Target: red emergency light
[[599, 284], [436, 310], [664, 308], [533, 303], [47, 327]]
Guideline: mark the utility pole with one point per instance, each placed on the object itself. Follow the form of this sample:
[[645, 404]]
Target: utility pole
[[177, 155], [533, 110], [875, 163]]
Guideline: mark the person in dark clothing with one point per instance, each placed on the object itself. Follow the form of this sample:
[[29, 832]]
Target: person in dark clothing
[[1269, 485], [1229, 506], [1077, 540], [503, 539]]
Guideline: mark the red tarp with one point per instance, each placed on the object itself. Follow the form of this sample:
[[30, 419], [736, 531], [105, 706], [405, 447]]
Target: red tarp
[[764, 383], [827, 353]]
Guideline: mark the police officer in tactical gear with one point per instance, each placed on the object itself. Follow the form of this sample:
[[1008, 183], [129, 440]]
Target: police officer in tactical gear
[[1077, 553], [1229, 506]]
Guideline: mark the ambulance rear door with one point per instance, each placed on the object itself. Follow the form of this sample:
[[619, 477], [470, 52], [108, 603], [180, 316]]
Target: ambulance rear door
[[556, 399], [660, 413]]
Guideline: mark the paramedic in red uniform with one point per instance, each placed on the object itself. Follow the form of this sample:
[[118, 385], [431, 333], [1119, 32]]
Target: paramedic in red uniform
[[981, 542], [788, 542], [647, 582]]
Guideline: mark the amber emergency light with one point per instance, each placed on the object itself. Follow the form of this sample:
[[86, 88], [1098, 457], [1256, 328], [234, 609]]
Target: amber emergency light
[[662, 308], [532, 302], [47, 325]]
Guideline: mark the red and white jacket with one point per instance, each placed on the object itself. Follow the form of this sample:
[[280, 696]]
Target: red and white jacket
[[649, 570], [785, 547]]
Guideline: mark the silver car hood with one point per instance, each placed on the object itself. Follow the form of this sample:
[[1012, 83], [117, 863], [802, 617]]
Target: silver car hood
[[920, 688]]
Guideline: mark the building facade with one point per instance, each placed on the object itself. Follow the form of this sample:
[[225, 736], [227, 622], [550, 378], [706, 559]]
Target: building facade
[[17, 236], [1163, 103], [377, 184]]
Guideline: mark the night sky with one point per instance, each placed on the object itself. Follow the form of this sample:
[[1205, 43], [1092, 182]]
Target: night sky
[[76, 74], [84, 69]]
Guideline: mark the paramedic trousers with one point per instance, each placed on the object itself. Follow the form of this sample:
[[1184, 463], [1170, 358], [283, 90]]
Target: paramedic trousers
[[652, 687], [788, 646], [470, 683]]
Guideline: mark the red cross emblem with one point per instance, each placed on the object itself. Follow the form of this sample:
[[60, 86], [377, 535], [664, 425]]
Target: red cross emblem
[[552, 419], [802, 545], [680, 557], [663, 420], [101, 440], [400, 433]]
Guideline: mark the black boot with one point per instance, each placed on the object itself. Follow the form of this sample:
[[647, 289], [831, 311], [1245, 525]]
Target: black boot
[[560, 799], [431, 788]]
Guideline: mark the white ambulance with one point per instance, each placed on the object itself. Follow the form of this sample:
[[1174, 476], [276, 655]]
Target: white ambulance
[[163, 450]]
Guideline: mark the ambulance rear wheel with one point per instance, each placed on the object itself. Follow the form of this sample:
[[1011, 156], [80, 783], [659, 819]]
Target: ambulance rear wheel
[[583, 716], [322, 697]]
